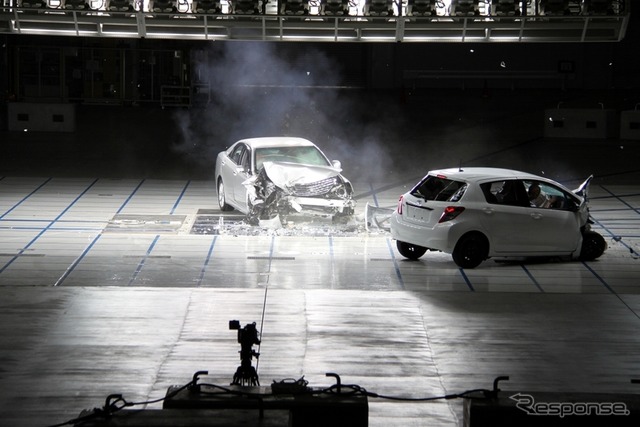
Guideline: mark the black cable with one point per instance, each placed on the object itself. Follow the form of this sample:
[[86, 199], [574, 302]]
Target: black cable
[[116, 402], [227, 390], [104, 412], [356, 389], [160, 399]]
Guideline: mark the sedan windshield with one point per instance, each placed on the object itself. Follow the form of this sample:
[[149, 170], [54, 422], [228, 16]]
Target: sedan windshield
[[307, 155], [439, 188]]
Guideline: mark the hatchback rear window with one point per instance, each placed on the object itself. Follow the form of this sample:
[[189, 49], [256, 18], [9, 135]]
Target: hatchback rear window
[[440, 189]]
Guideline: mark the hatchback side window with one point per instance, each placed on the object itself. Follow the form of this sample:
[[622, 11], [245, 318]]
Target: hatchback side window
[[440, 189], [547, 196], [505, 192]]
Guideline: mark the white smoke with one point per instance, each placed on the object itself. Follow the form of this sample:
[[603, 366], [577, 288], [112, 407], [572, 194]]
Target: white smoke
[[270, 89]]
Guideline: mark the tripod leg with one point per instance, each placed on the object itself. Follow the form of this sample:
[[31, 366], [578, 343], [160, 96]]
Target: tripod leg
[[246, 376]]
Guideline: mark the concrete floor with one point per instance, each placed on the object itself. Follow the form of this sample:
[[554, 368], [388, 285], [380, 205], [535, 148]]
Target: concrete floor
[[125, 284]]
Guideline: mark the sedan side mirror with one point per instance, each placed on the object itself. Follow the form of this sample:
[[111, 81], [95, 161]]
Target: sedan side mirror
[[336, 164]]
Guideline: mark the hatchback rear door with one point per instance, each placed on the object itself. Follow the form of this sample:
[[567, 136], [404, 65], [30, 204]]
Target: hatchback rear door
[[426, 201]]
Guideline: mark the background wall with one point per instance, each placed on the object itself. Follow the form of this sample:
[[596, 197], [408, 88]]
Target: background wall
[[73, 69]]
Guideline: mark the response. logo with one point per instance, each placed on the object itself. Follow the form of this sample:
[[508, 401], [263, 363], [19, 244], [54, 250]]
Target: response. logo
[[526, 403]]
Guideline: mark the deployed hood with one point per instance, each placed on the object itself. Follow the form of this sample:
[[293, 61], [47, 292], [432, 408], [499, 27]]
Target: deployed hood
[[583, 188], [284, 174]]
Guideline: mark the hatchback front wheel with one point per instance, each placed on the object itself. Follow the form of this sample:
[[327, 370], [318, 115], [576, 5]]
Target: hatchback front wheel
[[593, 245]]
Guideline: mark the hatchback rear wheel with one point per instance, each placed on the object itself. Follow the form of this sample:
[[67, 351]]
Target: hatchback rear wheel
[[471, 250], [410, 251]]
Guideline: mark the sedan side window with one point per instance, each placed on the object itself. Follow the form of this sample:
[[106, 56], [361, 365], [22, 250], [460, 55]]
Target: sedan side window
[[236, 155], [245, 161]]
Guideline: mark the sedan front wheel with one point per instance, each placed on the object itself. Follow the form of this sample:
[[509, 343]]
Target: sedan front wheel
[[222, 201]]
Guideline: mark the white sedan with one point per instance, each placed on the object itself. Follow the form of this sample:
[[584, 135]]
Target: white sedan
[[477, 213], [277, 176]]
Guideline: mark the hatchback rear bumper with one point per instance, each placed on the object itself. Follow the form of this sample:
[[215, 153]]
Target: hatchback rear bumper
[[432, 238]]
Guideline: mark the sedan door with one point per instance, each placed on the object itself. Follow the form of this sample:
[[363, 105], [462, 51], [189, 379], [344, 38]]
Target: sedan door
[[238, 175], [231, 161]]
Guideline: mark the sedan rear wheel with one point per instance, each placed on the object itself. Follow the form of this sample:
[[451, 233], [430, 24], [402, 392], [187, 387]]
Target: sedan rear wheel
[[471, 250], [410, 251], [593, 245], [222, 201]]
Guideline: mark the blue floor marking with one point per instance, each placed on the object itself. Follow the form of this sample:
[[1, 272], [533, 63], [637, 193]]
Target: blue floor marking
[[606, 285], [331, 248], [466, 279], [61, 221], [130, 197], [76, 262], [25, 198], [619, 198], [28, 245], [636, 210], [396, 266], [533, 279], [617, 237], [73, 266], [273, 243], [74, 229], [143, 260], [206, 261], [184, 190], [395, 263]]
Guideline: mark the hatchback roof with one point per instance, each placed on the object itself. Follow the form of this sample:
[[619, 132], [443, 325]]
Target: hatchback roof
[[482, 173]]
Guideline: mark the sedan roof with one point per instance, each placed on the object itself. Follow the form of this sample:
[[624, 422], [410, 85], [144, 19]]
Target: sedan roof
[[276, 141]]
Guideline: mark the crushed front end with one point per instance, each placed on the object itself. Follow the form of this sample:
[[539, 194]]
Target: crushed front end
[[282, 189]]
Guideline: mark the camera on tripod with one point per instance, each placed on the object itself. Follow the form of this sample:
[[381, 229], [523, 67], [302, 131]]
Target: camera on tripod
[[247, 337]]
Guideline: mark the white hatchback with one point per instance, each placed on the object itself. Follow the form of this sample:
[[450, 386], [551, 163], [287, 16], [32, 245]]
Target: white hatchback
[[477, 213]]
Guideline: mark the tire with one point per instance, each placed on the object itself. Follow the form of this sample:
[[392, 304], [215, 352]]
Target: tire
[[471, 250], [222, 199], [410, 251], [593, 245], [342, 217]]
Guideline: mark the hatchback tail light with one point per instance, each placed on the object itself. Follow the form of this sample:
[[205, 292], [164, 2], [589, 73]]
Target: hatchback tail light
[[450, 212], [400, 205]]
